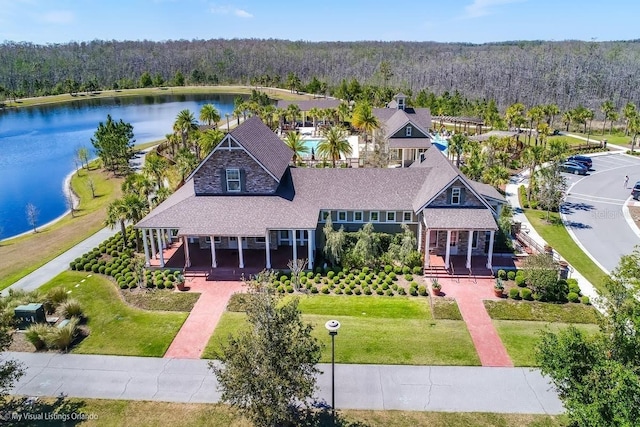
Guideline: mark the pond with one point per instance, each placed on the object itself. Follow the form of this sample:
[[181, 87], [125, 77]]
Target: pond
[[38, 144]]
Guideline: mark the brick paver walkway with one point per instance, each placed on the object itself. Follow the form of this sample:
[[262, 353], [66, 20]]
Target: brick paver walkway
[[470, 296], [194, 335]]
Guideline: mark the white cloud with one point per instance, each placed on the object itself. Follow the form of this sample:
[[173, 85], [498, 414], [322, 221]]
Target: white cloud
[[242, 13], [58, 17], [481, 8], [230, 10]]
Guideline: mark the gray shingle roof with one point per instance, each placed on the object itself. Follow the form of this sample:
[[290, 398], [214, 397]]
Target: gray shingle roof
[[460, 218], [264, 145], [307, 105], [409, 142], [393, 119]]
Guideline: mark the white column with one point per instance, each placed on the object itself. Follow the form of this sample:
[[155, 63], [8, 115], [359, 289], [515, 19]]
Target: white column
[[469, 248], [214, 261], [420, 237], [427, 260], [187, 257], [291, 239], [146, 247], [160, 253], [402, 157], [448, 249], [295, 244], [240, 254], [267, 249], [153, 243], [161, 232], [490, 255], [311, 246]]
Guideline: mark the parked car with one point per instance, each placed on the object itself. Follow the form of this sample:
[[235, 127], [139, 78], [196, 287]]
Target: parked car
[[574, 167], [635, 193], [582, 160]]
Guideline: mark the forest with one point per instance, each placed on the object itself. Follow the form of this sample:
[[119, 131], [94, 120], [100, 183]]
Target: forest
[[565, 73]]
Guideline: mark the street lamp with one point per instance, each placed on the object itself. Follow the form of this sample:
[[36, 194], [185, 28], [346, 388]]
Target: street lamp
[[227, 115], [333, 326]]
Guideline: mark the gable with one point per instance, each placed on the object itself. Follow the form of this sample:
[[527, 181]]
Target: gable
[[414, 132], [458, 194]]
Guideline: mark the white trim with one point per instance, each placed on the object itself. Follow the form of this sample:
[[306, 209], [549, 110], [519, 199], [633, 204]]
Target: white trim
[[260, 239], [324, 213], [404, 214], [240, 147], [457, 190], [338, 216], [386, 216], [238, 180], [361, 216], [377, 214], [467, 186], [408, 130], [217, 239]]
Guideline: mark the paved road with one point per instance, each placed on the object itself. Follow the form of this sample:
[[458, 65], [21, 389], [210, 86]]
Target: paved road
[[377, 387], [593, 208]]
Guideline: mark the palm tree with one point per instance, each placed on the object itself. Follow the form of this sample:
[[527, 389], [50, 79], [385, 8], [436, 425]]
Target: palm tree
[[614, 116], [137, 183], [534, 115], [475, 162], [607, 108], [543, 134], [496, 176], [567, 119], [629, 112], [185, 124], [551, 112], [533, 156], [514, 115], [364, 120], [209, 140], [293, 111], [267, 113], [344, 112], [135, 208], [334, 144], [161, 195], [156, 167], [186, 162], [295, 142], [209, 115], [116, 214], [456, 146], [315, 114]]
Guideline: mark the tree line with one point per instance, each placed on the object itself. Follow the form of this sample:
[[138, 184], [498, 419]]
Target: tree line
[[565, 73]]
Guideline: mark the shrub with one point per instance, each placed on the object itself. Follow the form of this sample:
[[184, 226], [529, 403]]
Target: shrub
[[348, 291], [87, 266], [585, 300], [401, 291], [366, 269], [511, 275], [520, 273], [380, 291], [573, 297], [573, 287], [72, 265], [330, 274], [525, 204], [62, 338], [101, 269], [526, 294], [357, 291], [414, 291], [514, 293], [362, 276], [310, 275], [367, 291], [502, 274], [571, 280], [57, 296], [521, 281], [324, 289], [338, 291], [35, 335], [417, 270], [388, 269], [385, 286], [392, 276], [389, 293], [72, 308], [422, 291], [397, 269], [124, 285], [533, 204], [406, 270], [382, 275], [289, 289], [160, 285], [408, 277]]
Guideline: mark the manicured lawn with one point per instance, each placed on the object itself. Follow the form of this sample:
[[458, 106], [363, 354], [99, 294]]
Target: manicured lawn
[[116, 328], [377, 330], [544, 312], [18, 257], [144, 413], [556, 235], [162, 300], [570, 140], [521, 337]]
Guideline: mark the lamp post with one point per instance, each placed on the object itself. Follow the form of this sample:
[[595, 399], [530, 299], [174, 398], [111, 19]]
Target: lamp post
[[333, 326]]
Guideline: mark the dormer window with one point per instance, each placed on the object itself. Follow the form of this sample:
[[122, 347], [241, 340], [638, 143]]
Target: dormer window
[[233, 180], [408, 130], [455, 196], [400, 103]]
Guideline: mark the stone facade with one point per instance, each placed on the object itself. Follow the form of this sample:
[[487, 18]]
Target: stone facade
[[210, 179], [467, 197], [415, 132]]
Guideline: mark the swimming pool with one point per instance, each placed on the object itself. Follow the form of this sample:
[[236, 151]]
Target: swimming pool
[[440, 142], [311, 144]]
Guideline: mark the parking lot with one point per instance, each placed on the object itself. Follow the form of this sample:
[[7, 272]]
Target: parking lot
[[593, 208]]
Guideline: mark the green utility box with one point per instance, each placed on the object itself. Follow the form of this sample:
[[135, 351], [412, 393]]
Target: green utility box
[[29, 314]]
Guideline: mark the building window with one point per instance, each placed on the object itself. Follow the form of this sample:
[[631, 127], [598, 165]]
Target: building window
[[374, 216], [217, 239], [357, 216], [324, 215], [207, 239], [342, 216], [284, 234], [474, 239], [407, 216], [408, 131], [260, 240], [433, 239], [391, 216], [233, 180], [455, 196]]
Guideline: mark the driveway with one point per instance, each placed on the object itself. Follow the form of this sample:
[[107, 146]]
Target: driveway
[[593, 208]]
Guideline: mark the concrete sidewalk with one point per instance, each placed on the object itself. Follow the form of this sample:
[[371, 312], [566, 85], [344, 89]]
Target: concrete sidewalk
[[60, 264], [376, 387]]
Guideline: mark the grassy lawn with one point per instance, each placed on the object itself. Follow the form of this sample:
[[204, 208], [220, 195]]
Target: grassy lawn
[[570, 140], [18, 257], [145, 413], [162, 300], [377, 330], [544, 312], [180, 90], [521, 337], [556, 235], [116, 328]]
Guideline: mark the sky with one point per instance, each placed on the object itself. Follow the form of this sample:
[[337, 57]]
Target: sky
[[472, 21]]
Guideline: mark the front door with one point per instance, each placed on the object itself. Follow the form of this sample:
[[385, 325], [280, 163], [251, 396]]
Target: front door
[[453, 243]]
